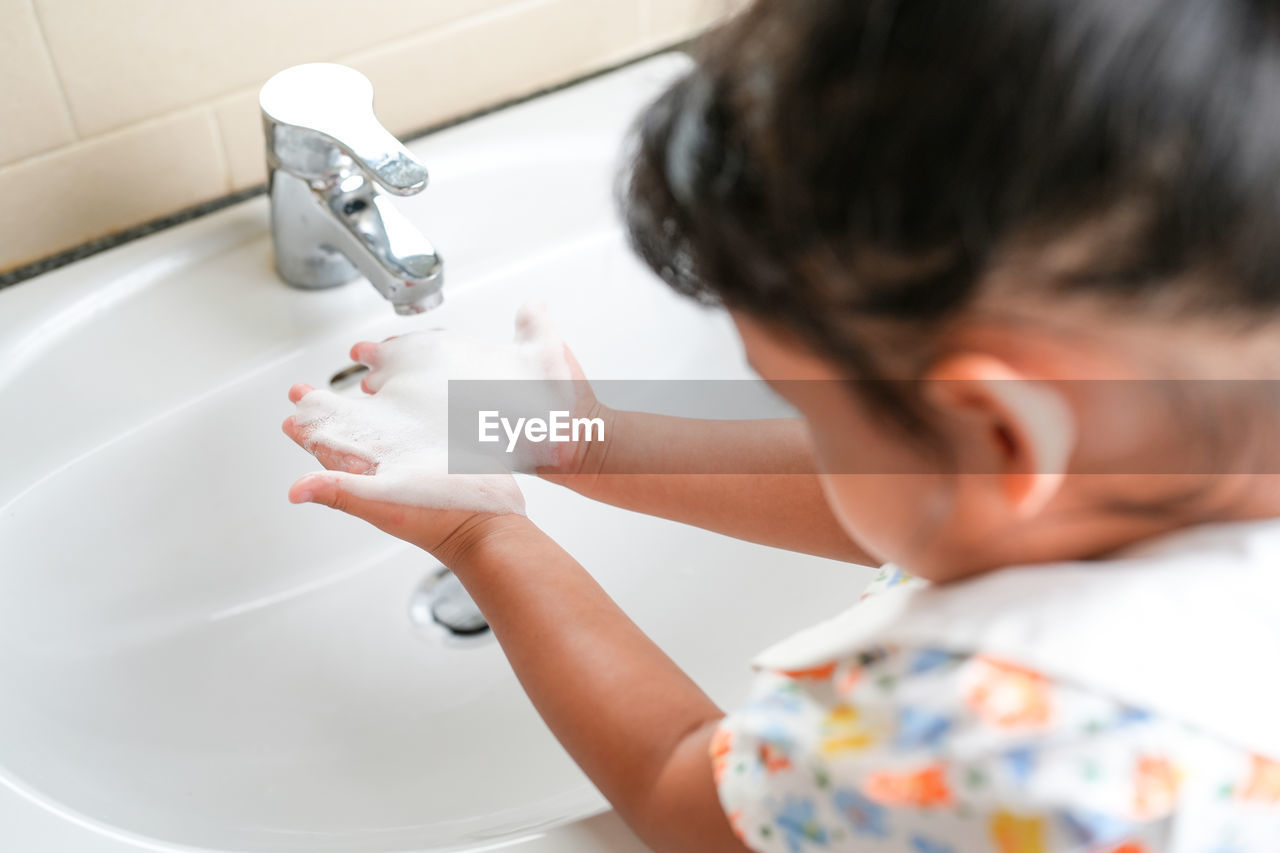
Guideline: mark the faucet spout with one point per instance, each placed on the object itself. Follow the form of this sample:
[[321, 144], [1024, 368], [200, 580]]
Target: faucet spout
[[333, 169], [385, 247]]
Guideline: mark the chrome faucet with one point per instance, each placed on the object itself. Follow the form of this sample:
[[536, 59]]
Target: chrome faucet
[[329, 162]]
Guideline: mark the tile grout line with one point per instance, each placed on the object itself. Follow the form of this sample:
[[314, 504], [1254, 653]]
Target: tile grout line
[[145, 124], [57, 75], [220, 144], [444, 28]]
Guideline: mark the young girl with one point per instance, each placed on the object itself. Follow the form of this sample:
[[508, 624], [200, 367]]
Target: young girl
[[978, 220]]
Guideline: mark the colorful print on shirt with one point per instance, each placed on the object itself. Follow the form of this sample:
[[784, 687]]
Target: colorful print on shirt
[[922, 750]]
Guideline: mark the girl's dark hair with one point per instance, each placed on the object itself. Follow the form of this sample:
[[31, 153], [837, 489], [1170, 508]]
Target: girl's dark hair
[[832, 161]]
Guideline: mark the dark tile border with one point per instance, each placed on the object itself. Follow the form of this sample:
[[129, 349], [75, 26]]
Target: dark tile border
[[102, 244]]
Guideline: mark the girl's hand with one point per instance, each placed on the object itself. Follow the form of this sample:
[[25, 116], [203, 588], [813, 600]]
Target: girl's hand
[[582, 458], [386, 450], [446, 533]]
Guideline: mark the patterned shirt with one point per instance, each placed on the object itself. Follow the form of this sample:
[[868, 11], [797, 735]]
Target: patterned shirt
[[922, 750]]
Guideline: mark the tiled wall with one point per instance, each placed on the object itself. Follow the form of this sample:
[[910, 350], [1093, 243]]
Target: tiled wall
[[117, 112]]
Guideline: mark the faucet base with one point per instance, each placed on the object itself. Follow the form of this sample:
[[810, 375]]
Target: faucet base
[[296, 219], [316, 272]]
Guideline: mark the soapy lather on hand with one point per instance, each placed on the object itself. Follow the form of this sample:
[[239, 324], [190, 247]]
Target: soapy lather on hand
[[391, 444]]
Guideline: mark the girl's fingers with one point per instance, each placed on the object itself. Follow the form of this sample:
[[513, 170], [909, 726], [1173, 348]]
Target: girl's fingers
[[380, 357], [328, 489], [370, 355], [581, 385], [373, 381], [334, 460], [325, 489], [307, 489], [297, 392], [426, 527], [533, 321], [365, 353]]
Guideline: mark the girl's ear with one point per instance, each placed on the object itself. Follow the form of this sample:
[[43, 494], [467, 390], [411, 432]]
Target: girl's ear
[[1024, 424]]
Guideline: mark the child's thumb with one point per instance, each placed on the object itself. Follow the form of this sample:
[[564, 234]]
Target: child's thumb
[[326, 489], [350, 493]]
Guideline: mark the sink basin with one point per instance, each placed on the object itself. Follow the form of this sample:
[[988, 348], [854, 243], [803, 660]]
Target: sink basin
[[189, 661]]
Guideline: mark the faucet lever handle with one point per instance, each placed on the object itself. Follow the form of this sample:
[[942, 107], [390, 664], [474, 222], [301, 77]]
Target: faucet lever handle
[[309, 110]]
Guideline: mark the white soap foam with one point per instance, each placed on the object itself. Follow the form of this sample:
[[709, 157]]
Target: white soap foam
[[402, 427]]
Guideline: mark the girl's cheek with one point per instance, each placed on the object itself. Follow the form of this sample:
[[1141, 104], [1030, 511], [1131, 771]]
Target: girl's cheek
[[881, 491], [879, 512]]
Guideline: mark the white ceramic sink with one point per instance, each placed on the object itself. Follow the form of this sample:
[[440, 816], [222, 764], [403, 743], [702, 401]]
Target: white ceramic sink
[[187, 661]]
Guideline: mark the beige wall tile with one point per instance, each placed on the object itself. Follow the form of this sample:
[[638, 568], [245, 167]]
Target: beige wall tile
[[164, 92], [99, 186], [240, 129], [462, 68], [513, 52], [33, 115], [128, 60]]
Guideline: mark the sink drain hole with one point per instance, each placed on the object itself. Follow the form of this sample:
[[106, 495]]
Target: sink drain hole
[[442, 600], [347, 377]]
